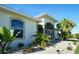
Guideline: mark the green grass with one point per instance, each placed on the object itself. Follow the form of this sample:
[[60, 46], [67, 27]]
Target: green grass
[[77, 50]]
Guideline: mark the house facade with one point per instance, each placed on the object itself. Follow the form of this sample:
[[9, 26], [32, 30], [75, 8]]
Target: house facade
[[26, 25]]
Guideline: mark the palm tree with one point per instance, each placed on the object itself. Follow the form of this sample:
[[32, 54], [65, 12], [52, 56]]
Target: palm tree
[[5, 39], [65, 26]]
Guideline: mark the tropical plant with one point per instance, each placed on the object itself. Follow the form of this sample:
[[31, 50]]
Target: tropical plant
[[65, 26], [6, 38], [41, 40]]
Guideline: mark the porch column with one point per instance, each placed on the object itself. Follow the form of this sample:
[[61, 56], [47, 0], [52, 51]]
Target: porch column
[[43, 29]]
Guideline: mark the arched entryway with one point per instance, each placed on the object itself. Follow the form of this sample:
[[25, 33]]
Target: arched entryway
[[49, 29]]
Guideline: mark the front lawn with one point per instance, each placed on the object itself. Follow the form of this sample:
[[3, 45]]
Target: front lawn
[[77, 50]]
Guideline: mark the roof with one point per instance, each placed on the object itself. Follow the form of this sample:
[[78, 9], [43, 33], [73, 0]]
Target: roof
[[45, 15], [18, 12], [29, 17]]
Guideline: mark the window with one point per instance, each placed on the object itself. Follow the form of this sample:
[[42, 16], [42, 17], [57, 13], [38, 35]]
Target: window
[[40, 28], [17, 26]]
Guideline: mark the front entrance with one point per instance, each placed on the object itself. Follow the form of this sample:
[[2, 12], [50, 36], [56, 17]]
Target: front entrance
[[49, 29]]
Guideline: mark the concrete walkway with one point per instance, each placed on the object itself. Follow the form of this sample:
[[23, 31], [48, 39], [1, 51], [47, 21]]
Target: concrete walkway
[[62, 46]]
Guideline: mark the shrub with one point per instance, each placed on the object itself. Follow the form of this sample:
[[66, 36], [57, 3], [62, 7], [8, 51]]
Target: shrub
[[41, 40]]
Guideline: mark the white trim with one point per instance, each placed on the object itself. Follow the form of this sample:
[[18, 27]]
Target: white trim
[[45, 15]]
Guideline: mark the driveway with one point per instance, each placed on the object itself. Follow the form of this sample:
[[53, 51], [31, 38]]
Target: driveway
[[62, 46]]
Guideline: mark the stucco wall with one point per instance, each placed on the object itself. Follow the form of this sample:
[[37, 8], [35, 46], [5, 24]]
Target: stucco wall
[[4, 20], [29, 27]]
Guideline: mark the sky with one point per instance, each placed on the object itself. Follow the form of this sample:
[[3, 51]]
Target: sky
[[57, 11]]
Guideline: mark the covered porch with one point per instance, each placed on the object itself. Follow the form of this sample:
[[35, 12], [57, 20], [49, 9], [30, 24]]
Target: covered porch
[[48, 29], [46, 25]]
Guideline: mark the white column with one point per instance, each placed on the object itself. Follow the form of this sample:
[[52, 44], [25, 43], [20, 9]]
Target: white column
[[43, 25], [43, 29]]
